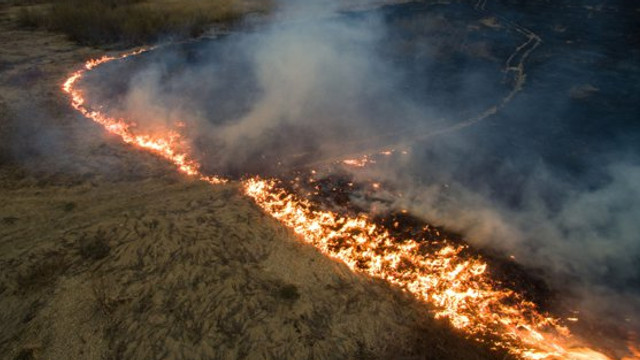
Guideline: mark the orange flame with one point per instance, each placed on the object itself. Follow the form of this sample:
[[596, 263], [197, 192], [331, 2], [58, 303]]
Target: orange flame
[[362, 162], [171, 146], [457, 287]]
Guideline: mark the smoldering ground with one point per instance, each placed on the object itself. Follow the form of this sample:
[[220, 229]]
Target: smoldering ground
[[551, 178]]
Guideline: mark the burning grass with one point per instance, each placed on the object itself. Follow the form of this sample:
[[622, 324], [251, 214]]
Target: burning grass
[[132, 22]]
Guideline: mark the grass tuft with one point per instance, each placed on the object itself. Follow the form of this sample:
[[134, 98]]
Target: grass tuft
[[29, 17], [69, 206], [94, 248], [42, 273], [289, 293], [25, 354]]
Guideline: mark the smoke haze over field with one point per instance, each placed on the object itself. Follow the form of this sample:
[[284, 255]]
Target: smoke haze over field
[[552, 178]]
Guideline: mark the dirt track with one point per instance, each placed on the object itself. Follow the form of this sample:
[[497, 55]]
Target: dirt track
[[107, 253]]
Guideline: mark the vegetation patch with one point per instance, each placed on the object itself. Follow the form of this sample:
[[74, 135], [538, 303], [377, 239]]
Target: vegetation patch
[[42, 273], [69, 206], [25, 354], [94, 248], [289, 293], [134, 22], [9, 220]]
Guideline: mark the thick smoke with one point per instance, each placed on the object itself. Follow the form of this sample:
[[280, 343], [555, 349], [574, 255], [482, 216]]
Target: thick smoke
[[314, 80]]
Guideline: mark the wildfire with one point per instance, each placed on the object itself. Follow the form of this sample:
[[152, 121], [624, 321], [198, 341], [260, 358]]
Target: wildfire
[[456, 286], [170, 146]]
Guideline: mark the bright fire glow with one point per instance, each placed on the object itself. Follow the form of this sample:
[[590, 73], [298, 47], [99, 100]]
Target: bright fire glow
[[457, 287], [170, 146], [361, 162]]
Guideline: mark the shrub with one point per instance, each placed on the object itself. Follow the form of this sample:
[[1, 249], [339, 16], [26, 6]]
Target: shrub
[[289, 293], [94, 248], [30, 18]]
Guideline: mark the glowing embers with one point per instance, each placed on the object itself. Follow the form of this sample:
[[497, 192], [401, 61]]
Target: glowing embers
[[366, 160], [361, 162]]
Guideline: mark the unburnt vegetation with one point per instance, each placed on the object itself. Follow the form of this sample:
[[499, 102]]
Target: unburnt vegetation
[[134, 22]]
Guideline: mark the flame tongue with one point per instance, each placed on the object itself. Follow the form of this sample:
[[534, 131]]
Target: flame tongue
[[170, 145], [456, 286]]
